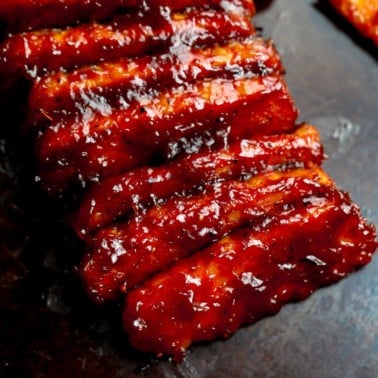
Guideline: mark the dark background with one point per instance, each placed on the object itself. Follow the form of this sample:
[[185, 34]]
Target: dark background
[[48, 328]]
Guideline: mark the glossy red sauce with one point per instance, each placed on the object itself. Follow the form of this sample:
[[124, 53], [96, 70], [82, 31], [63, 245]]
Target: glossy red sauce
[[155, 121], [38, 53], [115, 84], [124, 255], [206, 203], [135, 191], [362, 14], [247, 275], [23, 15]]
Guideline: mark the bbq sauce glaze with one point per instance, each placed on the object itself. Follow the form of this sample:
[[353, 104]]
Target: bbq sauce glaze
[[239, 275]]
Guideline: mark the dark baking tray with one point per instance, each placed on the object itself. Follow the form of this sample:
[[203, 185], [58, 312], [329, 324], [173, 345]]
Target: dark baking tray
[[48, 328]]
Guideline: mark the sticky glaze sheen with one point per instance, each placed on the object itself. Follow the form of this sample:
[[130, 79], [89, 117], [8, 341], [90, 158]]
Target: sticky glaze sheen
[[139, 189], [248, 275], [124, 255]]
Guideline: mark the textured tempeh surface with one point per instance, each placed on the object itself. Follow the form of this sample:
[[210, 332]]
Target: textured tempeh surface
[[139, 189], [24, 15], [65, 94], [126, 254], [246, 107], [362, 14], [248, 275], [33, 54]]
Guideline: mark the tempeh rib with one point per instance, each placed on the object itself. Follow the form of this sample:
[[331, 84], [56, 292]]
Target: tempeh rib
[[141, 188], [117, 83], [37, 53], [114, 156], [124, 255], [363, 14], [26, 15], [248, 275], [253, 106]]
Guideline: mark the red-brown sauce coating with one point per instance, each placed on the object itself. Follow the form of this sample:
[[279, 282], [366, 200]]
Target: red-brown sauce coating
[[33, 54], [125, 255], [362, 14], [197, 193], [156, 121], [135, 191], [116, 84], [23, 15], [247, 275]]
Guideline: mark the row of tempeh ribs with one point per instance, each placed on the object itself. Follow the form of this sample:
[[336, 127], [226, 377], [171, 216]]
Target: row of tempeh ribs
[[200, 199]]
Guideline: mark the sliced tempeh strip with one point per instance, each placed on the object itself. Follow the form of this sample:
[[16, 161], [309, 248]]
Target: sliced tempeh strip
[[40, 52], [248, 275], [248, 106], [125, 255], [139, 189], [363, 14], [25, 15], [117, 83]]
